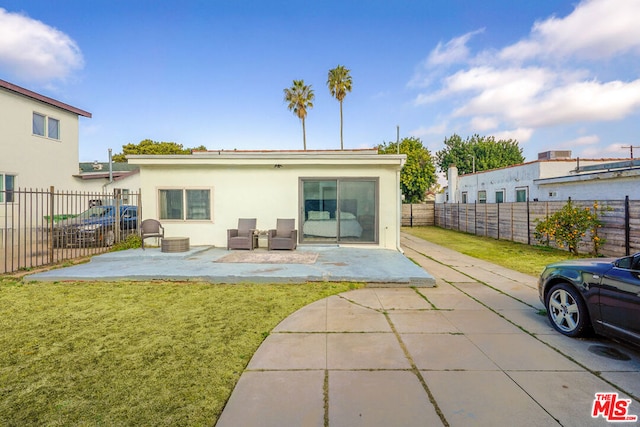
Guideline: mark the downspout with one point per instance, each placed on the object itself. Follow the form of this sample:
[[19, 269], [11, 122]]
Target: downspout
[[104, 186], [110, 168], [399, 213]]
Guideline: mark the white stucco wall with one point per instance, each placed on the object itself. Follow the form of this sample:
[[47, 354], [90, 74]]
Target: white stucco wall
[[102, 185], [541, 181], [614, 185], [251, 187], [37, 161]]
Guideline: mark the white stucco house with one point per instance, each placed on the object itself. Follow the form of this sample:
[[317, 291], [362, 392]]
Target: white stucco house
[[555, 176], [349, 197], [39, 140]]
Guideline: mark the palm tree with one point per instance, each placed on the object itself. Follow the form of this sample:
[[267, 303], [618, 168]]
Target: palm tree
[[300, 98], [339, 82]]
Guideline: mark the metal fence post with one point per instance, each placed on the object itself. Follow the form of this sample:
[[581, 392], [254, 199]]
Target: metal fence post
[[50, 225], [627, 227]]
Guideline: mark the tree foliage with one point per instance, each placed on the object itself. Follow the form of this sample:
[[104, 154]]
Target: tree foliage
[[419, 173], [299, 98], [488, 153], [148, 146], [568, 226], [339, 82]]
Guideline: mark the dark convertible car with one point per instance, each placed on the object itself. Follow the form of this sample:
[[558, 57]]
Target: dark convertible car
[[600, 295]]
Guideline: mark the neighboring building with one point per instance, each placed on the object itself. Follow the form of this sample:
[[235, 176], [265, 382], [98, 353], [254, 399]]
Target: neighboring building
[[119, 178], [39, 140], [553, 177], [336, 197]]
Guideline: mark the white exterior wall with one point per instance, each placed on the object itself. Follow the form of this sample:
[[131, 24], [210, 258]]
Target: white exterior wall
[[599, 186], [535, 178], [259, 190], [37, 162], [507, 180], [103, 186]]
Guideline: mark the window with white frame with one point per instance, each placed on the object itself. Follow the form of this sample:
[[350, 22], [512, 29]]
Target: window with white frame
[[7, 186], [185, 204], [500, 196], [482, 196], [464, 197], [46, 126]]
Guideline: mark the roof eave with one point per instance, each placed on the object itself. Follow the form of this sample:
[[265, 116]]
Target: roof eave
[[42, 98]]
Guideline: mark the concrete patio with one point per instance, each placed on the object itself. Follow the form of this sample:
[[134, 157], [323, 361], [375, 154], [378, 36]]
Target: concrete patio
[[379, 267]]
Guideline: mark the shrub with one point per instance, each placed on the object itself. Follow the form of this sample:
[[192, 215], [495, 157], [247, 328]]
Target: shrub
[[570, 225], [131, 242]]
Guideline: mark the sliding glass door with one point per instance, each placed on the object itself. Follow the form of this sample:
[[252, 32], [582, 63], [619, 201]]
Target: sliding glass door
[[339, 210]]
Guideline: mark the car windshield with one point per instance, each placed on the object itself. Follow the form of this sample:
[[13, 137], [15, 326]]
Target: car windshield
[[94, 212]]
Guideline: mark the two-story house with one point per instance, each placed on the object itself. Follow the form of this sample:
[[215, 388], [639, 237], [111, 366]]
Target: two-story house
[[39, 140]]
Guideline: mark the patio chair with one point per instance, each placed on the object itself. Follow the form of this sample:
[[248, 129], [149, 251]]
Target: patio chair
[[285, 236], [244, 236], [151, 228]]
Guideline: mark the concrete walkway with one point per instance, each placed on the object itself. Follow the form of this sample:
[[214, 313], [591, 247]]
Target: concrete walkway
[[473, 351]]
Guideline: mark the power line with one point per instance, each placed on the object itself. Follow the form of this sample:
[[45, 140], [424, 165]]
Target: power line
[[630, 147]]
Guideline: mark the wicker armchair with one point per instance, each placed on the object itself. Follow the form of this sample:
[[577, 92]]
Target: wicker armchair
[[244, 236], [151, 228], [285, 236]]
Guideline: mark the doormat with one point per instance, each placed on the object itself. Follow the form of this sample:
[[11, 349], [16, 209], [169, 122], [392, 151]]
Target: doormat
[[253, 257]]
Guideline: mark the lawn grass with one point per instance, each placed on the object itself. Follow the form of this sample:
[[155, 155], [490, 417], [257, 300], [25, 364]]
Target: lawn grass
[[154, 353], [516, 256]]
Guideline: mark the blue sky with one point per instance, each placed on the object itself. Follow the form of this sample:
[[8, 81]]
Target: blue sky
[[551, 74]]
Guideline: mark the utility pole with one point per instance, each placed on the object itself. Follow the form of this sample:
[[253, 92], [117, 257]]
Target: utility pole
[[398, 137], [630, 147]]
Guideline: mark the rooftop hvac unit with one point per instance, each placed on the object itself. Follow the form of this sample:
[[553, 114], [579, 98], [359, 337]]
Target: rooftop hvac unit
[[557, 154]]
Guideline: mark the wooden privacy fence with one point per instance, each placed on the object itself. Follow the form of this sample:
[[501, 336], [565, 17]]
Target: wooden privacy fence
[[418, 214], [517, 222], [28, 218]]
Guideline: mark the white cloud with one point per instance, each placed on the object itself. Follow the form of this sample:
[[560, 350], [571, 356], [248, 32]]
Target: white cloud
[[494, 89], [596, 29], [582, 141], [35, 51], [455, 50], [593, 152], [422, 131], [520, 134], [578, 102], [483, 123]]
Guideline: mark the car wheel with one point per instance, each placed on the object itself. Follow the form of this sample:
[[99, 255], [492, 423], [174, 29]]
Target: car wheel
[[108, 238], [567, 311]]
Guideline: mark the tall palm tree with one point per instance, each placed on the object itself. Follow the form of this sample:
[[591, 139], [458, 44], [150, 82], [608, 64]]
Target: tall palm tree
[[339, 82], [300, 98]]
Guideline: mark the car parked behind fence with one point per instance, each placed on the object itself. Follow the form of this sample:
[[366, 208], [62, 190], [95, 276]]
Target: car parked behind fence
[[95, 227]]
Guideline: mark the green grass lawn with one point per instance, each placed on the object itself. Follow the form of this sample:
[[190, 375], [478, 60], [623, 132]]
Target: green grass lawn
[[516, 256], [133, 353]]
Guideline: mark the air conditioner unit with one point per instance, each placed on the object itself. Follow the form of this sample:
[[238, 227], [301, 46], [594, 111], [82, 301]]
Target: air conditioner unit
[[556, 154]]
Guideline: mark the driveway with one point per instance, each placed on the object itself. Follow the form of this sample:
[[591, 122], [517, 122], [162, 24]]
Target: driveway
[[473, 351]]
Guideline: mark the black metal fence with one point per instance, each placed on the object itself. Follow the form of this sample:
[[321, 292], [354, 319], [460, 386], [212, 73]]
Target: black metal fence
[[35, 226]]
